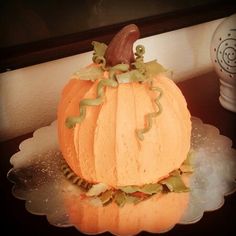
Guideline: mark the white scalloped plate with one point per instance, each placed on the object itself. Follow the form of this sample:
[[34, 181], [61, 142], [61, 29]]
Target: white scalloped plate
[[39, 181]]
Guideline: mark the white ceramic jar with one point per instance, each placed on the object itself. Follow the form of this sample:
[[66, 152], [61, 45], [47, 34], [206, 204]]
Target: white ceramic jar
[[223, 55]]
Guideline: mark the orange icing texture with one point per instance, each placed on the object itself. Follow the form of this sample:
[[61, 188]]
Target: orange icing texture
[[105, 148]]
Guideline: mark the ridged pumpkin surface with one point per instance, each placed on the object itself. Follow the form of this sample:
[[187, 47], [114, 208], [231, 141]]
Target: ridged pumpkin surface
[[105, 148]]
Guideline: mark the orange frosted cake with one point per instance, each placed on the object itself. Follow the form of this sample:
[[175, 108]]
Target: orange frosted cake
[[124, 127]]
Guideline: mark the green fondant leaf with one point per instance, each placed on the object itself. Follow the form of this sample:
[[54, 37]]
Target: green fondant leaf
[[106, 196], [99, 48], [186, 168], [140, 66], [147, 189], [153, 68], [120, 67], [129, 189], [130, 76], [175, 184], [120, 198], [90, 73], [133, 199], [175, 173], [151, 188], [188, 160], [97, 189]]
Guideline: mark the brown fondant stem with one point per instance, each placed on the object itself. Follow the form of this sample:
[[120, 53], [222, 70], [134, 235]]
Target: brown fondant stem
[[120, 49]]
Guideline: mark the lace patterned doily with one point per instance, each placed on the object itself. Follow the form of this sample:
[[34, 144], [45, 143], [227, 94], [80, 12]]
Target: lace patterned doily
[[38, 180]]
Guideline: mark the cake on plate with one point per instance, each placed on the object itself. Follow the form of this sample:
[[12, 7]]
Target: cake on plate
[[124, 127]]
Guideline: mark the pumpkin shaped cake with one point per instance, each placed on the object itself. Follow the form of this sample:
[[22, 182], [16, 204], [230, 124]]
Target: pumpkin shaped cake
[[124, 127]]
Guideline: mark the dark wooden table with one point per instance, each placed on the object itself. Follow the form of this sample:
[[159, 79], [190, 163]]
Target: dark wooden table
[[202, 96]]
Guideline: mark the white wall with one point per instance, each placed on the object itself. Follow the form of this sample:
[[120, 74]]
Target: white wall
[[29, 96]]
